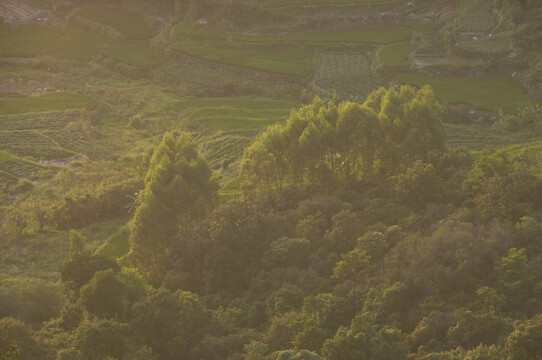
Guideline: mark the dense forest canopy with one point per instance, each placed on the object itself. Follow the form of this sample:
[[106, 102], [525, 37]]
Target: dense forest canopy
[[270, 180]]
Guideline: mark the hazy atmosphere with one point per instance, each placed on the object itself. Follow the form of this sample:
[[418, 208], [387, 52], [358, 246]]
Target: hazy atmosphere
[[270, 180]]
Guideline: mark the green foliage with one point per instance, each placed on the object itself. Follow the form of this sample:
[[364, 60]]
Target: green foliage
[[482, 92], [526, 340], [99, 339], [33, 301], [53, 101], [476, 16], [80, 268], [178, 191], [322, 143], [171, 324], [502, 186], [16, 333], [418, 185], [103, 295], [117, 245]]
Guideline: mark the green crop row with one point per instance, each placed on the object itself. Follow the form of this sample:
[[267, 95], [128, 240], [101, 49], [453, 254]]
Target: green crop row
[[295, 62], [52, 101], [490, 92], [42, 121], [129, 23]]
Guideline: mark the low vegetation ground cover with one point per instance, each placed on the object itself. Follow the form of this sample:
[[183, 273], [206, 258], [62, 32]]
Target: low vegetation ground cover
[[128, 22], [348, 74], [371, 36], [233, 114], [76, 43], [51, 101], [477, 137], [135, 52], [392, 57], [294, 62], [490, 92], [280, 3], [26, 40]]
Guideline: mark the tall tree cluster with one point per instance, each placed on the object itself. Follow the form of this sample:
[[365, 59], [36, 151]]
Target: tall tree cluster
[[178, 191], [329, 143]]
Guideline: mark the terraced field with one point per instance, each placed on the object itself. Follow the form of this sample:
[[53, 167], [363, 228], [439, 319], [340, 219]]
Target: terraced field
[[135, 52], [294, 62], [233, 114], [476, 137], [26, 40], [349, 75], [491, 92], [51, 101], [129, 23]]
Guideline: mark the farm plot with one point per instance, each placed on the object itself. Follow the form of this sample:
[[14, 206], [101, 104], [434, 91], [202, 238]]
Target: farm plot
[[205, 77], [129, 23], [491, 92], [75, 139], [30, 143], [348, 74], [20, 169], [43, 121], [26, 40], [370, 36], [392, 57], [476, 137], [233, 114], [18, 10], [22, 138], [135, 52], [476, 16], [76, 44], [294, 62], [281, 3], [225, 149], [53, 101], [485, 48]]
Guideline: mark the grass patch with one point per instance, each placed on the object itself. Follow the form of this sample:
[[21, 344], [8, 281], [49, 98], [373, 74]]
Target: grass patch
[[26, 40], [77, 44], [371, 36], [476, 16], [116, 245], [135, 52], [491, 92], [292, 62], [348, 74], [392, 57], [4, 158], [183, 29], [281, 3], [234, 114], [477, 137], [483, 48], [54, 101], [230, 190], [129, 23], [251, 104], [420, 28]]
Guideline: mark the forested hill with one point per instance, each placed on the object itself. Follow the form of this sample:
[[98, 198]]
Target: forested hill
[[270, 180]]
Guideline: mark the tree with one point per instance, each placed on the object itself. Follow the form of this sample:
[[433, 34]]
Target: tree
[[99, 339], [171, 324], [103, 295], [525, 342], [178, 191]]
